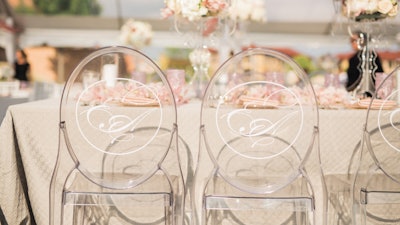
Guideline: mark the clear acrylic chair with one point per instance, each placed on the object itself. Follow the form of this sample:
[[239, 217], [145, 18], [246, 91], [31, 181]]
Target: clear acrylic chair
[[119, 160], [259, 153], [339, 194], [376, 183]]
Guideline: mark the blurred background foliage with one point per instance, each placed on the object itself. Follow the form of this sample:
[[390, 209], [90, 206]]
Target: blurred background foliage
[[53, 7]]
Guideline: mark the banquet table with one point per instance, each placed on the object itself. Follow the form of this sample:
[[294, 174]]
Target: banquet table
[[29, 141], [5, 102]]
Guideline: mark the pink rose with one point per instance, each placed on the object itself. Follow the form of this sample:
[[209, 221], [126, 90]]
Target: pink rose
[[166, 12], [210, 26], [215, 6]]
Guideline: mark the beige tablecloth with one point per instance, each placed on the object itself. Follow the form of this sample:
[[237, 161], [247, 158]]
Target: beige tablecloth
[[29, 140], [5, 102]]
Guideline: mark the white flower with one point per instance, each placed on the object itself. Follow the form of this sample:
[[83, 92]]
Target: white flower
[[358, 6], [371, 6], [253, 10], [393, 11], [259, 15], [136, 33], [384, 6], [194, 9]]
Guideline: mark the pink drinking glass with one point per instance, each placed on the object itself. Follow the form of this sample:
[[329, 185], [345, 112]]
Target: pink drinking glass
[[139, 76], [387, 87], [176, 78], [273, 90]]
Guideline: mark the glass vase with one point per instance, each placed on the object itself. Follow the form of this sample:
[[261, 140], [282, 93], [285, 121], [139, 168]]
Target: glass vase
[[364, 82], [203, 36], [365, 29], [200, 61]]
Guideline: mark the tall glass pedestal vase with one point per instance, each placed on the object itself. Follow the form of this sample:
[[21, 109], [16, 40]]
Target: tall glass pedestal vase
[[200, 60], [361, 31], [369, 18], [366, 87], [201, 34]]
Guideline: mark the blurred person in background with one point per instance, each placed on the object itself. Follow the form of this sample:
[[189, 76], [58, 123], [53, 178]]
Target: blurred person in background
[[21, 66]]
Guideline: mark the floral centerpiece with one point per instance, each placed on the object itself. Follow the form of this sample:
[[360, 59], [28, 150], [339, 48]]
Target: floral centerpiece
[[136, 33], [202, 19], [248, 10], [6, 71], [369, 9], [195, 9]]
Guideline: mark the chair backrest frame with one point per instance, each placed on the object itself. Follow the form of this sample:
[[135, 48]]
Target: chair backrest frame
[[219, 105]]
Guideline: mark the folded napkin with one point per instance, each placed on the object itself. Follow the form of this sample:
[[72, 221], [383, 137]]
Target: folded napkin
[[138, 101], [254, 102], [377, 103]]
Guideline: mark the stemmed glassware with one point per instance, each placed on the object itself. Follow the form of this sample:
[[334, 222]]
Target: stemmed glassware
[[386, 89]]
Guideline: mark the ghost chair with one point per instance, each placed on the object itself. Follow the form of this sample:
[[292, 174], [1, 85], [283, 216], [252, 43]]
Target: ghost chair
[[118, 160], [376, 183], [259, 153]]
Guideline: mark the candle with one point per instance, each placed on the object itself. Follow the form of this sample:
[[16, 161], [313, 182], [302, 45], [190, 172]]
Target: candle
[[109, 74]]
